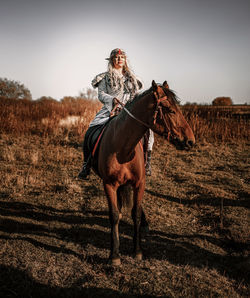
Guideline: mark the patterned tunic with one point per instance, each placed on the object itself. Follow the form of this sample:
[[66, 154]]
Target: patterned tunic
[[106, 93]]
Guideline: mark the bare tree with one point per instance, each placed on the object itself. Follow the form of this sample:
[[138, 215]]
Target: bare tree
[[88, 94]]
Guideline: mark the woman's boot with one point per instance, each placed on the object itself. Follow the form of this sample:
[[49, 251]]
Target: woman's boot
[[85, 171]]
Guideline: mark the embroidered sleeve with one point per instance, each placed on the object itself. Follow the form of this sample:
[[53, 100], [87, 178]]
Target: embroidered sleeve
[[103, 96]]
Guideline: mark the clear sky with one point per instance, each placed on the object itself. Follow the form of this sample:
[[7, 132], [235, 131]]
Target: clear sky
[[56, 47]]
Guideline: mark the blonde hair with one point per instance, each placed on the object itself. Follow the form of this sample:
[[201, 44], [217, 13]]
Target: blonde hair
[[116, 81]]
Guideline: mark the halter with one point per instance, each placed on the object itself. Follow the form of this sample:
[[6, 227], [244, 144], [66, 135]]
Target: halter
[[158, 109]]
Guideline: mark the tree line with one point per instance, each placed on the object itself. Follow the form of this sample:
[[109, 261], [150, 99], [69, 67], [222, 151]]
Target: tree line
[[14, 89]]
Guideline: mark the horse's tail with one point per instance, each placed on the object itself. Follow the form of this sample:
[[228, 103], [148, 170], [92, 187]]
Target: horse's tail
[[125, 196]]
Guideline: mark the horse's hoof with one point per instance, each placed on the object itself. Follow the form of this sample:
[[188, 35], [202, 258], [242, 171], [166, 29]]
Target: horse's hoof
[[138, 256], [145, 232], [115, 262]]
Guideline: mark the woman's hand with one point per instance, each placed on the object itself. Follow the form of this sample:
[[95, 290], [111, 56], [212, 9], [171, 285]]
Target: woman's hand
[[116, 108], [115, 102]]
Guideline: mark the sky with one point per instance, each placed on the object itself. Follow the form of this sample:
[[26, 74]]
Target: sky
[[56, 47]]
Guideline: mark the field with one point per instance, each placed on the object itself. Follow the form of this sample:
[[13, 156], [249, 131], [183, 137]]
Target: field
[[54, 229]]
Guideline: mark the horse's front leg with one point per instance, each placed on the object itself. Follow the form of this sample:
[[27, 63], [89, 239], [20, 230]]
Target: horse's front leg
[[144, 224], [137, 218], [114, 218]]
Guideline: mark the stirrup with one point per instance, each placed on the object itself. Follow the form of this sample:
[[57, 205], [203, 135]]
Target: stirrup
[[148, 171]]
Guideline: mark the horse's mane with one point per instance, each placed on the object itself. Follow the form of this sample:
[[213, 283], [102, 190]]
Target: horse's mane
[[170, 94], [137, 97]]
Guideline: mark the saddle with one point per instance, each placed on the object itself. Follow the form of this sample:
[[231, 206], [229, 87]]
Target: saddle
[[93, 142]]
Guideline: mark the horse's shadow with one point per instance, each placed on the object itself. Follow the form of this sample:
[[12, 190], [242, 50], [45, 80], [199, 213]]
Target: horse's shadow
[[75, 227]]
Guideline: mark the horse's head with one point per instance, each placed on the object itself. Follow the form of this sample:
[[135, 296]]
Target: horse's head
[[168, 119]]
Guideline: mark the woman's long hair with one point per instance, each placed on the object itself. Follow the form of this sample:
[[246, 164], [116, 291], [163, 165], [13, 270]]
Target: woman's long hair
[[117, 82]]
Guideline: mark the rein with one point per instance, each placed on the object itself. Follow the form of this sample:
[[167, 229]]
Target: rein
[[130, 114]]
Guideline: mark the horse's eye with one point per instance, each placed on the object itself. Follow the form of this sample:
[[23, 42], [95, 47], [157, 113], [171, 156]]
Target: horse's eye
[[171, 111]]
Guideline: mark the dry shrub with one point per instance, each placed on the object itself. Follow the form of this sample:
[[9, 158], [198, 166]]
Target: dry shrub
[[222, 101], [218, 124], [42, 117]]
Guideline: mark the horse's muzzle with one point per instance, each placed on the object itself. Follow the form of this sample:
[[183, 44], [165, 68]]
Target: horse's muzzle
[[182, 144]]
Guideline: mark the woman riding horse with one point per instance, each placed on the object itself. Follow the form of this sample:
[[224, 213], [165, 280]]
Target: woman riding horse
[[118, 84]]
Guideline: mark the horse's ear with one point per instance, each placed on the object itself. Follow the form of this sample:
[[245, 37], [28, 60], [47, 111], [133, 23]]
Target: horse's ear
[[154, 85], [165, 84]]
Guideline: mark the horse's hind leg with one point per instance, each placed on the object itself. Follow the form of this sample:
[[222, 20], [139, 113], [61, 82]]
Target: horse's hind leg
[[114, 221], [119, 203]]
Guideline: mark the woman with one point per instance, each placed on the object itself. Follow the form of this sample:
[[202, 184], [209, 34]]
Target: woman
[[120, 83]]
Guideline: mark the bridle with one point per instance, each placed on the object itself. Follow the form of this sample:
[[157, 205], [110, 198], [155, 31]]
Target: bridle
[[158, 110]]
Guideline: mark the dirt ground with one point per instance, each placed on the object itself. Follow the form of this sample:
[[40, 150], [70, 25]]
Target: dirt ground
[[54, 229]]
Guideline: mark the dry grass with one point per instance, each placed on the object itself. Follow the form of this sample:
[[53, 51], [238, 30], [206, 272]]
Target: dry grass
[[54, 229], [44, 118]]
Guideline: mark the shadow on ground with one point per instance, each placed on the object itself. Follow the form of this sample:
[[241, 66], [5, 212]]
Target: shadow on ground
[[177, 249], [16, 283]]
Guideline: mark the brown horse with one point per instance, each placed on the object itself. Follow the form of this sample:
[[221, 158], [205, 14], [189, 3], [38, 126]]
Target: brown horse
[[121, 160]]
